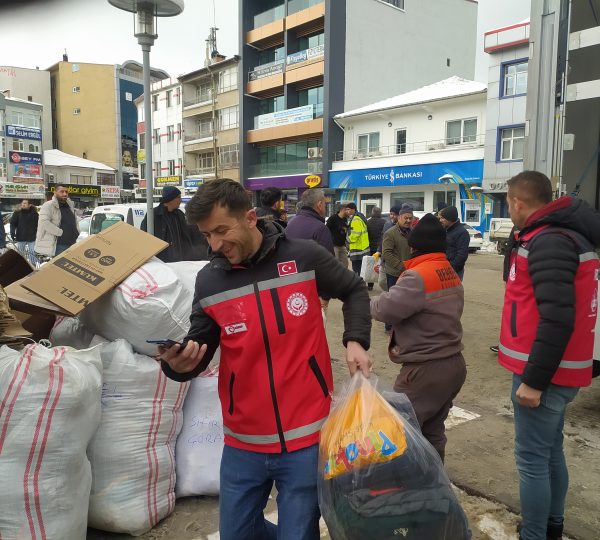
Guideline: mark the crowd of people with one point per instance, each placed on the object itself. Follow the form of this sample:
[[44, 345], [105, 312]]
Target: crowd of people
[[260, 300]]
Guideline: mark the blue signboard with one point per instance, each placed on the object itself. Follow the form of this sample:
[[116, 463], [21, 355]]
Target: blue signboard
[[463, 172], [193, 182], [19, 132]]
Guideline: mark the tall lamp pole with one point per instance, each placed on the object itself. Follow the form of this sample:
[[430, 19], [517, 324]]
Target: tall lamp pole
[[446, 179], [146, 13]]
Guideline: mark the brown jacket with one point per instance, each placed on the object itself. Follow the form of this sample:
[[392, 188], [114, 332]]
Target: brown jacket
[[424, 309], [395, 251]]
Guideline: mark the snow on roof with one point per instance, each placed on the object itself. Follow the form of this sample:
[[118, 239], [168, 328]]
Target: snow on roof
[[509, 27], [12, 98], [56, 158], [448, 88]]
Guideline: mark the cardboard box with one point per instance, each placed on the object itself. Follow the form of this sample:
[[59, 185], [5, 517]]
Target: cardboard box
[[89, 269]]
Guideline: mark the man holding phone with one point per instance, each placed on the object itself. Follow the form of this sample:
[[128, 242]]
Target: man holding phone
[[258, 299]]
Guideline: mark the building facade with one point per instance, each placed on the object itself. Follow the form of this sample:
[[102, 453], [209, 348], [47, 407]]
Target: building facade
[[211, 125], [422, 148], [305, 61], [508, 50], [30, 85], [94, 113], [88, 182], [167, 137], [21, 147]]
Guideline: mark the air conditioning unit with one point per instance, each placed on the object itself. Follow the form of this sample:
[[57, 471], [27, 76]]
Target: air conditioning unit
[[315, 153]]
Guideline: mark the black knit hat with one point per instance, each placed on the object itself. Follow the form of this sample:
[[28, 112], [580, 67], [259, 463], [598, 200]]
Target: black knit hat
[[169, 193], [428, 236], [450, 213]]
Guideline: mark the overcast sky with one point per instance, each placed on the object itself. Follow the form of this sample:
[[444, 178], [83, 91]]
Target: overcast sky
[[94, 31]]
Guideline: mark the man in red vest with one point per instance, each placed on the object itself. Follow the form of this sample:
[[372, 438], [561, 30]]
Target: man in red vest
[[547, 338]]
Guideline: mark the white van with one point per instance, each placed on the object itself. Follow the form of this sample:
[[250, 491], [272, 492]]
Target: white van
[[105, 216]]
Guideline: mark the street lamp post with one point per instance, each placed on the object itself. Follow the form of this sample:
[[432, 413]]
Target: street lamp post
[[146, 13], [446, 179]]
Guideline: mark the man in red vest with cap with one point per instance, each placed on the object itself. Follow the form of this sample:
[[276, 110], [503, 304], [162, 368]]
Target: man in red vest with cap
[[547, 338]]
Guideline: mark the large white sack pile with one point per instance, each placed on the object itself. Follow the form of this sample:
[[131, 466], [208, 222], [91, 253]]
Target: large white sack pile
[[70, 332], [49, 410], [133, 451], [154, 302], [200, 443]]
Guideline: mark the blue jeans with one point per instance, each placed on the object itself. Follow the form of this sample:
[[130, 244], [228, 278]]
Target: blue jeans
[[246, 482], [544, 478], [27, 250]]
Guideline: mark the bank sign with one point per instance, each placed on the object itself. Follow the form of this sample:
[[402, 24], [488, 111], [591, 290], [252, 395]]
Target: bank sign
[[19, 132], [463, 172]]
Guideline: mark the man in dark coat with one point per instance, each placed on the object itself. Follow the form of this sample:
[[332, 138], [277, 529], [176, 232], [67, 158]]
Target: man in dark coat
[[309, 223], [23, 229], [457, 239], [270, 206], [375, 225], [171, 226]]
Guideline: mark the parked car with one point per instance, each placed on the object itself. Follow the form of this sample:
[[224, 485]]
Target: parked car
[[500, 229], [475, 238]]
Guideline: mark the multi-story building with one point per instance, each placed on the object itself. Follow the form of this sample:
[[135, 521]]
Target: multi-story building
[[30, 85], [94, 114], [211, 121], [422, 148], [305, 61], [21, 146], [167, 137], [508, 50], [563, 107]]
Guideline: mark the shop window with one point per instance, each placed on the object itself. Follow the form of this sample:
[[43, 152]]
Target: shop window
[[415, 198], [444, 197], [81, 179]]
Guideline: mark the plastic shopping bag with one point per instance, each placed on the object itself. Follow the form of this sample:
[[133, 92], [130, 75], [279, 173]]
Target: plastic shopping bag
[[367, 270], [379, 477]]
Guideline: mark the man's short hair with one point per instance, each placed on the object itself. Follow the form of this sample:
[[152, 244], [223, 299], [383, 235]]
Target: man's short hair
[[311, 197], [221, 192], [269, 196], [532, 187]]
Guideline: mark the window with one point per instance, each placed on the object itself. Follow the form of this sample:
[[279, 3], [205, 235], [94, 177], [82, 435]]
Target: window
[[171, 165], [205, 162], [33, 147], [447, 197], [76, 89], [396, 3], [156, 170], [156, 136], [75, 68], [229, 156], [155, 102], [178, 97], [415, 198], [268, 56], [513, 79], [81, 179], [76, 111], [23, 119], [228, 118], [203, 93], [311, 41], [18, 145], [29, 98], [512, 142], [170, 133], [401, 141], [26, 146], [461, 131], [180, 166], [142, 170], [169, 98], [368, 143], [179, 130], [204, 126], [2, 170], [1, 120], [313, 96], [105, 179], [270, 105], [2, 147], [142, 144], [228, 79]]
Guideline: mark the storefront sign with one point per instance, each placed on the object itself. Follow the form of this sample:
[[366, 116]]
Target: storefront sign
[[140, 193], [29, 180], [25, 158], [308, 54], [76, 190], [141, 156], [495, 187], [312, 181], [16, 191], [24, 132], [261, 72], [27, 171], [168, 181], [193, 183], [463, 172], [282, 182], [289, 116], [110, 192]]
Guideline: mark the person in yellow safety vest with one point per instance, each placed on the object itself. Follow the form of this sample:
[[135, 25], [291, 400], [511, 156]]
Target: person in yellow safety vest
[[358, 238]]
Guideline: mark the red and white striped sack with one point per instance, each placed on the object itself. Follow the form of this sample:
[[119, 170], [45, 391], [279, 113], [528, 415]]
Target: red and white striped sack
[[133, 451], [49, 410]]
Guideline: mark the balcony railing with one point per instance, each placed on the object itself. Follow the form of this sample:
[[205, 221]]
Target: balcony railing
[[201, 97], [200, 171], [436, 145], [269, 16], [199, 134], [300, 166], [298, 5], [288, 116]]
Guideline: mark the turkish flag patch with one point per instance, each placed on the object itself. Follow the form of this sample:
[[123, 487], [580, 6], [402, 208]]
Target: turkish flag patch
[[287, 268]]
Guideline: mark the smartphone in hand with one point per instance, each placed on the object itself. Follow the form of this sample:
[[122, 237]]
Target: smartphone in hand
[[165, 343]]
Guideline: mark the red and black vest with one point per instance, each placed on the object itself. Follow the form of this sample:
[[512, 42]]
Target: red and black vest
[[520, 315]]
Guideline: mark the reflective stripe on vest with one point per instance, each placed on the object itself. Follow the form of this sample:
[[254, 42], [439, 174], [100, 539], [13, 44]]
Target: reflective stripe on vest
[[443, 292], [290, 435], [564, 364]]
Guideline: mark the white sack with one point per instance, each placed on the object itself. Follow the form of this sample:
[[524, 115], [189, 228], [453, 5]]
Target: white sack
[[70, 332], [200, 443], [133, 451], [49, 410], [367, 269], [155, 302]]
